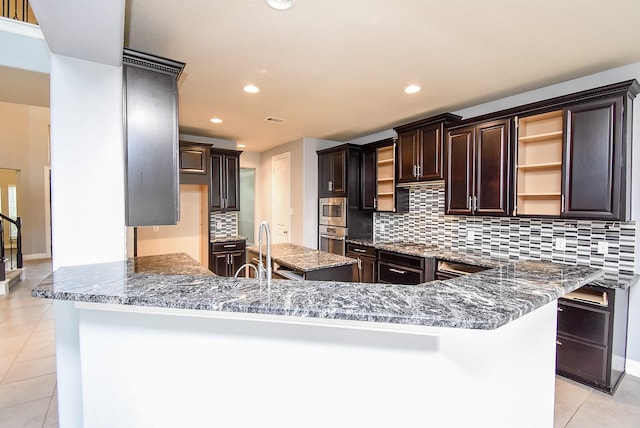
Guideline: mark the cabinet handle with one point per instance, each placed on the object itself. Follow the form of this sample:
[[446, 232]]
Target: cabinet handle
[[560, 309], [475, 204], [419, 168], [330, 186], [558, 343], [415, 171], [230, 246], [359, 264], [562, 204], [375, 203], [471, 203], [401, 272], [358, 250]]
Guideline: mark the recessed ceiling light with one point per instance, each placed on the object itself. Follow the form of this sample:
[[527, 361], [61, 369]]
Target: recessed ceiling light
[[412, 89], [242, 146], [251, 89], [280, 4], [215, 120]]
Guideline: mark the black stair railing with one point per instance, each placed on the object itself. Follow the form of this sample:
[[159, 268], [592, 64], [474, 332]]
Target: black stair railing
[[15, 257], [19, 10]]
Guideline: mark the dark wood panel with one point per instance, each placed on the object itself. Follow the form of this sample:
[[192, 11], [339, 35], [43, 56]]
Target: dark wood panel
[[368, 179], [339, 172], [492, 152], [592, 159], [406, 157], [460, 171], [583, 322], [215, 189], [232, 183], [324, 174], [581, 359], [431, 145]]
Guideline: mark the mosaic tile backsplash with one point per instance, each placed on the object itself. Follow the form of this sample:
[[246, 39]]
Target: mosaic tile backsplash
[[224, 224], [520, 238]]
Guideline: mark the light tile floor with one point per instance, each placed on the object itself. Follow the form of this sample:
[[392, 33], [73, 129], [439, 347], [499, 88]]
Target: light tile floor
[[27, 354], [28, 380]]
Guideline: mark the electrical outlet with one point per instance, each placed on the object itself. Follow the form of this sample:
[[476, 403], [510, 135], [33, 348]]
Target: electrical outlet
[[603, 247], [156, 228], [561, 244], [470, 235]]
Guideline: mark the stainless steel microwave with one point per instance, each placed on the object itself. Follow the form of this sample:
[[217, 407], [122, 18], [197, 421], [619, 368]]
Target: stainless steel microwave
[[333, 212]]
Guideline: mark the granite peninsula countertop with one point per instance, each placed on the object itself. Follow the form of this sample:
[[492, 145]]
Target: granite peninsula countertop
[[302, 259], [485, 300]]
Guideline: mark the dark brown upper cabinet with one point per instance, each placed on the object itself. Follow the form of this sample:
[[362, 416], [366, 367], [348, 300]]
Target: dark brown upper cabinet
[[339, 172], [150, 85], [224, 191], [593, 183], [420, 149], [478, 169], [194, 163]]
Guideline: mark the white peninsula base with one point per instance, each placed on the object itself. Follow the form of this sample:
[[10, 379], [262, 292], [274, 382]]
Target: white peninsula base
[[154, 367]]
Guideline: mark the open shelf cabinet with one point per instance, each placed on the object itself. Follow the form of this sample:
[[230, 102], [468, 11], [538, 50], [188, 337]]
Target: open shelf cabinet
[[539, 164], [385, 193]]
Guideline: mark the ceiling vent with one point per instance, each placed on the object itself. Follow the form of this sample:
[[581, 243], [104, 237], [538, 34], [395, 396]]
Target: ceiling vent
[[274, 119]]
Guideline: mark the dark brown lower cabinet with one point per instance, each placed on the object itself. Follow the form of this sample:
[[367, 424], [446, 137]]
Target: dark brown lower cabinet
[[396, 268], [227, 257], [366, 270], [591, 340]]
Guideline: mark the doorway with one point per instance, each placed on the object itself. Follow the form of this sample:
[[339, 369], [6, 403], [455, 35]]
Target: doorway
[[281, 198], [246, 217]]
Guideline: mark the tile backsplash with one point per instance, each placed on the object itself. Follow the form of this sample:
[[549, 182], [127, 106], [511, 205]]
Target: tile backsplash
[[519, 238], [224, 224]]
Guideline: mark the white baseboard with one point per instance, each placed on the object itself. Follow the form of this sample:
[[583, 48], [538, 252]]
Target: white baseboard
[[35, 256], [633, 368]]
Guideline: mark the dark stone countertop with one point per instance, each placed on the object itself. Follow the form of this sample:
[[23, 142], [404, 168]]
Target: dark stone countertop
[[610, 279], [302, 259], [485, 300]]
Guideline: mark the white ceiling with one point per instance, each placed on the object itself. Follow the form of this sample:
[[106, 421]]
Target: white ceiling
[[336, 69]]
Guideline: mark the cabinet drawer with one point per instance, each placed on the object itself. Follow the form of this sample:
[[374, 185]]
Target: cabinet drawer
[[394, 274], [402, 260], [361, 250], [583, 322], [228, 246], [581, 359]]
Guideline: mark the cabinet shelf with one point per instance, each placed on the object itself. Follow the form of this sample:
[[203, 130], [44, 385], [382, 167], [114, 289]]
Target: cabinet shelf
[[385, 161], [539, 195], [385, 194], [540, 137], [539, 166], [385, 180]]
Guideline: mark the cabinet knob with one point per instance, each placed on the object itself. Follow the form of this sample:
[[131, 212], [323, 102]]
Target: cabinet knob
[[558, 343], [560, 309]]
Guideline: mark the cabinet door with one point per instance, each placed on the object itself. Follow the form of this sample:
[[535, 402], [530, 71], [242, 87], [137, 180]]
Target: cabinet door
[[216, 193], [151, 147], [193, 160], [492, 157], [593, 160], [460, 171], [339, 172], [368, 180], [430, 152], [237, 258], [232, 183], [218, 263], [369, 270], [406, 160], [324, 174]]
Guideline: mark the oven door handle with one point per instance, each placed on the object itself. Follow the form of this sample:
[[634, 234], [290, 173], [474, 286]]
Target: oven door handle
[[334, 237]]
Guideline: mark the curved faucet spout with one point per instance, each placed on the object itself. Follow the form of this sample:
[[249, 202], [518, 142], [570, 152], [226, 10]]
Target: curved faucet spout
[[267, 231], [247, 265]]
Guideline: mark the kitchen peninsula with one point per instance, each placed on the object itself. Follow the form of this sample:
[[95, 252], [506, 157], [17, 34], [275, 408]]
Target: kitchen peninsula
[[300, 263], [163, 345]]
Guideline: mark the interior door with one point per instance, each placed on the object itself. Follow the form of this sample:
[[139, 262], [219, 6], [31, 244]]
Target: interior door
[[281, 198]]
